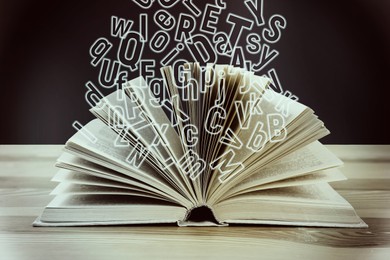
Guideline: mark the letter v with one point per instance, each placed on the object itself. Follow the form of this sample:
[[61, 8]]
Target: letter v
[[231, 139]]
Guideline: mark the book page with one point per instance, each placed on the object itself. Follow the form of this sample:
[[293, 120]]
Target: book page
[[181, 111], [311, 205], [72, 164], [127, 118], [174, 143], [257, 140], [96, 179], [242, 92], [121, 159], [64, 188], [76, 172], [153, 109], [85, 210], [330, 175], [306, 130], [311, 158]]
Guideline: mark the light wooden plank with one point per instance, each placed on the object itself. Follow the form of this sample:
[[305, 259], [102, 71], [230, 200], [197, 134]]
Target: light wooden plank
[[29, 152], [171, 246], [361, 152], [368, 169], [362, 184]]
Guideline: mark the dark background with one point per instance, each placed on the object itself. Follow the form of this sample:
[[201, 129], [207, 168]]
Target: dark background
[[334, 55]]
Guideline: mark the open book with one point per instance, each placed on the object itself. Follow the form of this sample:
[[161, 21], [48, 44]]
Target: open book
[[220, 147]]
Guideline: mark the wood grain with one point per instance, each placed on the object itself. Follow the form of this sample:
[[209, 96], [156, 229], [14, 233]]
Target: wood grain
[[25, 173]]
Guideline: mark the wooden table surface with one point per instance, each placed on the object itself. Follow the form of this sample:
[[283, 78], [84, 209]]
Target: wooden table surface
[[25, 173]]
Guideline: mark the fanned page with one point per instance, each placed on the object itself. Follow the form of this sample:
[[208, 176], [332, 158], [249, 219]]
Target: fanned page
[[308, 205], [89, 209], [309, 160], [219, 140]]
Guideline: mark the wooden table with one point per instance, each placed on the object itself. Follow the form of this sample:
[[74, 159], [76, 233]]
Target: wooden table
[[25, 173]]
